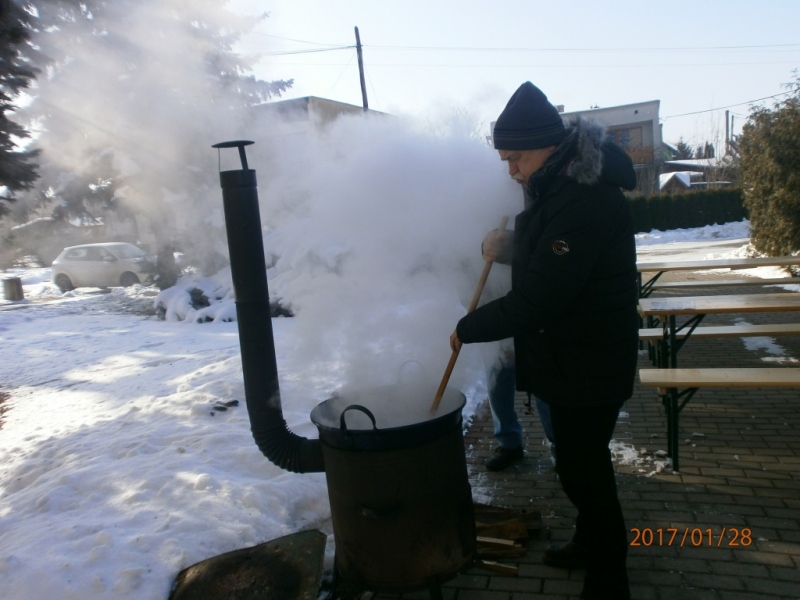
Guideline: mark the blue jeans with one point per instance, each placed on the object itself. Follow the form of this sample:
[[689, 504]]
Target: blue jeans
[[507, 429]]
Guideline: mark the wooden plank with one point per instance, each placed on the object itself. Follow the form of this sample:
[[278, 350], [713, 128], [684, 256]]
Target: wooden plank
[[740, 378], [736, 303], [498, 542], [721, 331], [499, 548], [725, 282], [489, 552], [720, 263], [496, 566], [512, 529], [531, 517]]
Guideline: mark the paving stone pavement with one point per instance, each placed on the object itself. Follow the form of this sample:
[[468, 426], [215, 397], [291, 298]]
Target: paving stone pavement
[[735, 502]]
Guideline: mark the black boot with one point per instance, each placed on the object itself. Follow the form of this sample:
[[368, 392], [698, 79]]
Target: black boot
[[504, 457], [564, 556]]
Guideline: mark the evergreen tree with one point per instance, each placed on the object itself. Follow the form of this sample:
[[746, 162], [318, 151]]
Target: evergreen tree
[[769, 147], [705, 150], [135, 94], [17, 171], [684, 150]]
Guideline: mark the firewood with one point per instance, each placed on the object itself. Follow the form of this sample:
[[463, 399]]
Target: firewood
[[496, 566], [497, 542], [512, 529], [532, 517], [493, 553]]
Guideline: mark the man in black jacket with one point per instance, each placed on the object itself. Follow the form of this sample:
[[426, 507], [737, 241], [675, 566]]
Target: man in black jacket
[[572, 313]]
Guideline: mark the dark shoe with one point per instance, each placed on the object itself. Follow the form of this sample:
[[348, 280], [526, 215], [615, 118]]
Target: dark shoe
[[564, 556], [504, 457]]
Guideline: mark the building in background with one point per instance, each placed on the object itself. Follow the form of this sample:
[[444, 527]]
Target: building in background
[[636, 129], [678, 181], [705, 172], [299, 117]]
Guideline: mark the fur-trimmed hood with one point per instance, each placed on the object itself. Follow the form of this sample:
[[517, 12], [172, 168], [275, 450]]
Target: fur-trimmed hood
[[594, 157]]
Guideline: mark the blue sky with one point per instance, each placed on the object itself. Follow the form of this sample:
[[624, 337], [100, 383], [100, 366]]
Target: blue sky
[[433, 56]]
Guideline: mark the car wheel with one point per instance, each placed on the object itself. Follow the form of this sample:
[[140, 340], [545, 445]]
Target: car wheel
[[64, 283], [128, 279]]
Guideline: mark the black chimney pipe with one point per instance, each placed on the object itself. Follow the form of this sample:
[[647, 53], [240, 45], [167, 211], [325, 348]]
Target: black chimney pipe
[[259, 366]]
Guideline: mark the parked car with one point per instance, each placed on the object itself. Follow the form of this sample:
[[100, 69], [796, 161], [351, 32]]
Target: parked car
[[101, 265]]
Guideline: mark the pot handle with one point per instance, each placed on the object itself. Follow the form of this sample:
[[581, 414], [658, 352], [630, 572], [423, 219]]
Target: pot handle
[[364, 409], [405, 364]]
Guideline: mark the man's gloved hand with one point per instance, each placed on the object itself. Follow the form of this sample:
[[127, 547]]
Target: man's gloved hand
[[497, 245], [455, 343]]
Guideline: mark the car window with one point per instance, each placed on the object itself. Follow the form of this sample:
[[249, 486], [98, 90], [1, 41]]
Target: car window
[[105, 254], [77, 254], [93, 254], [129, 251]]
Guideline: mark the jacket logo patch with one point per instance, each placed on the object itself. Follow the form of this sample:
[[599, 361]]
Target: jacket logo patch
[[560, 247]]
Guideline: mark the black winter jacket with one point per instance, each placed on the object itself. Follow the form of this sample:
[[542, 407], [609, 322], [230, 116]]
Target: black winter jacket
[[572, 305]]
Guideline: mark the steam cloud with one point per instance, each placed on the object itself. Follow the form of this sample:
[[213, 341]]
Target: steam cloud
[[373, 226], [374, 229]]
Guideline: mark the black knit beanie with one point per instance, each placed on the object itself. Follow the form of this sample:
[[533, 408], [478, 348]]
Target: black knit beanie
[[528, 122]]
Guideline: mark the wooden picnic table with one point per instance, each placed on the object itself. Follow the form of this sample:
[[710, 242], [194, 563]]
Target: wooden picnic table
[[659, 268], [677, 386], [695, 308]]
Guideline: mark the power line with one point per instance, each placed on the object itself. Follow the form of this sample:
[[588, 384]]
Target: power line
[[309, 51], [779, 47], [277, 37], [724, 107], [554, 65], [352, 56], [329, 47], [654, 49], [374, 93]]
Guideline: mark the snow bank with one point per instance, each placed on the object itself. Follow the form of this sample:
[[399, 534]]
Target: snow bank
[[739, 229]]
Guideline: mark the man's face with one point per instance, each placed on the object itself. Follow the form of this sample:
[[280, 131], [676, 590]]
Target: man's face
[[524, 163]]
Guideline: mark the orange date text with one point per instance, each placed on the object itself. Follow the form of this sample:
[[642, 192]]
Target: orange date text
[[694, 537]]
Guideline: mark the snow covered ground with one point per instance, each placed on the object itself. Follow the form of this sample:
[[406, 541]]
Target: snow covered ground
[[121, 463]]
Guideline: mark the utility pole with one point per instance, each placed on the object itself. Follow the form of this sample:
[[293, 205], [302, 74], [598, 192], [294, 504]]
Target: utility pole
[[727, 132], [361, 72]]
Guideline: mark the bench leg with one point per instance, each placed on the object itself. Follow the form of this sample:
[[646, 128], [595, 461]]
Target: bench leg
[[671, 405], [660, 355]]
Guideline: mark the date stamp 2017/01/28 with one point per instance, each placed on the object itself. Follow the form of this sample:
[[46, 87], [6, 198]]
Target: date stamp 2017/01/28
[[692, 536]]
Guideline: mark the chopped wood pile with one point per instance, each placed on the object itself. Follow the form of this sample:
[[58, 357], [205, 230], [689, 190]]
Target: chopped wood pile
[[502, 533]]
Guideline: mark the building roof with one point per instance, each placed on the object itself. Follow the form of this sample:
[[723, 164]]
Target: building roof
[[683, 177], [298, 108], [701, 163], [609, 108]]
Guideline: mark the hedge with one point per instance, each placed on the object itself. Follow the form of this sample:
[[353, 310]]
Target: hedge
[[691, 209]]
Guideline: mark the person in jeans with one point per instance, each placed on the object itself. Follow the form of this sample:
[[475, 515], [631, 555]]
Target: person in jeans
[[572, 314], [507, 429], [497, 247]]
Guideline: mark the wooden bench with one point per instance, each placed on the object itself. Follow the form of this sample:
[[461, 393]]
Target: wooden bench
[[677, 386], [666, 285], [659, 268], [655, 335]]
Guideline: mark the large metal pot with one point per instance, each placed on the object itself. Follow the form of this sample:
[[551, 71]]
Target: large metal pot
[[401, 503]]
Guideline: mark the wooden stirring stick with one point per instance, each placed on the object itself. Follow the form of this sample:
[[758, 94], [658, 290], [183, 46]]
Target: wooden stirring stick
[[472, 306]]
